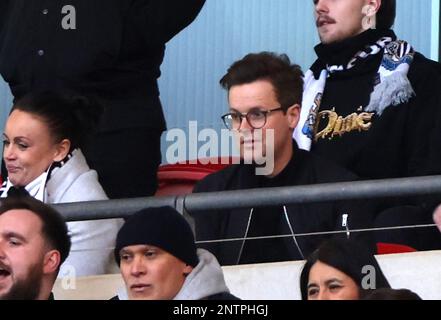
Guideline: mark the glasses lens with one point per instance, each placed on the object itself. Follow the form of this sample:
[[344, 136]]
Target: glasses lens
[[256, 118], [231, 120]]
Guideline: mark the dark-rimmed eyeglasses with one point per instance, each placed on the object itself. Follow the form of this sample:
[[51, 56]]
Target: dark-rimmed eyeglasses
[[256, 118]]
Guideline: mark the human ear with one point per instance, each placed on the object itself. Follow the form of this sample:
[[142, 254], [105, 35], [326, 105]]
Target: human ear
[[369, 11], [375, 6], [62, 150], [51, 261], [187, 270], [293, 116]]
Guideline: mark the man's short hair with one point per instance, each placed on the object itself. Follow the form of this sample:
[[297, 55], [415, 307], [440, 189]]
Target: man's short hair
[[54, 228], [386, 14], [286, 78]]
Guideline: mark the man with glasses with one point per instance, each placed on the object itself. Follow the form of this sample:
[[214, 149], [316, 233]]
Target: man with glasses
[[264, 94]]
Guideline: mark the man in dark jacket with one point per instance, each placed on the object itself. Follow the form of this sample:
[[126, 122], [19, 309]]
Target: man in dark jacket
[[110, 49], [157, 255], [371, 104], [264, 92], [34, 242]]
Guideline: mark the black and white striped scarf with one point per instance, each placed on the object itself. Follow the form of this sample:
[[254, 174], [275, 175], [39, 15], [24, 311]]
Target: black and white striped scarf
[[392, 87]]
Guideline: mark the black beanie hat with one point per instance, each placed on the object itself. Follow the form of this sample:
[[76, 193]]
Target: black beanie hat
[[162, 227]]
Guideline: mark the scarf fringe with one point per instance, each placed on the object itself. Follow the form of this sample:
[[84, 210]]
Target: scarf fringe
[[393, 90]]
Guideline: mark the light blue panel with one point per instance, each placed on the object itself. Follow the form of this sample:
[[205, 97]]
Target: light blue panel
[[434, 52], [414, 24], [5, 102]]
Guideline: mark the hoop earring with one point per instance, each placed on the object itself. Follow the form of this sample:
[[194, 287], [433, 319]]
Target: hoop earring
[[369, 21]]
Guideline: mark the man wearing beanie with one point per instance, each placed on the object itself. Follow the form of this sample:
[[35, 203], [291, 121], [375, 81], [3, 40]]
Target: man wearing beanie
[[157, 255]]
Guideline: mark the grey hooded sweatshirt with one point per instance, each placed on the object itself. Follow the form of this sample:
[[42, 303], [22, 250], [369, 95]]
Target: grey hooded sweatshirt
[[205, 282]]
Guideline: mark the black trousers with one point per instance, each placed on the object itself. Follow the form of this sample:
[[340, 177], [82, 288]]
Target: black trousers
[[126, 160]]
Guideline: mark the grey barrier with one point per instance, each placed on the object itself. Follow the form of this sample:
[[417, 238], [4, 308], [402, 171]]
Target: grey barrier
[[402, 187]]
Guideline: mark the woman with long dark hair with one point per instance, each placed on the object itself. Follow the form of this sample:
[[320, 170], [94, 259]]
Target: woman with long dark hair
[[340, 269]]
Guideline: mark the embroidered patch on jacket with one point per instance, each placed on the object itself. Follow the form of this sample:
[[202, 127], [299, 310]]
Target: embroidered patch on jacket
[[308, 127], [329, 124]]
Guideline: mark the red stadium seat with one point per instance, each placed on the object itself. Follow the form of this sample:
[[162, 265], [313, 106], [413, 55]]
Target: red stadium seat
[[389, 248], [180, 178]]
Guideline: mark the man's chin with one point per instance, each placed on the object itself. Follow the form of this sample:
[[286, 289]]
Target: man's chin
[[141, 297], [252, 155], [22, 290], [21, 294], [4, 292], [253, 160], [329, 37]]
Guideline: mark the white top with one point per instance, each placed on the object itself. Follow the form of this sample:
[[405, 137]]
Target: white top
[[92, 241]]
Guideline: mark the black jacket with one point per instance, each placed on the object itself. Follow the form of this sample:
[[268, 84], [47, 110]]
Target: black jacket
[[114, 53], [398, 143], [303, 169], [403, 142]]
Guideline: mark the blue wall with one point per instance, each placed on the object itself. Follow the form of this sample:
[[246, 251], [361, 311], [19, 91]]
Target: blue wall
[[225, 31]]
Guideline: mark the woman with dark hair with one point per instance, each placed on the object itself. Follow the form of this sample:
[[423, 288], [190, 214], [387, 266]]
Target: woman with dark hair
[[41, 150], [340, 269]]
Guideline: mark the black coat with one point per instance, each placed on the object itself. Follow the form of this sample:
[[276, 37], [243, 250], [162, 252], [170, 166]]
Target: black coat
[[399, 142], [404, 141], [115, 52], [303, 169]]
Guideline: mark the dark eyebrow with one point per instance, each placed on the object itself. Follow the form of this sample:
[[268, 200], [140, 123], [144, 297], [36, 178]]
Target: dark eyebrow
[[312, 285], [250, 109], [16, 138], [12, 234], [125, 251], [133, 252], [333, 280], [20, 138]]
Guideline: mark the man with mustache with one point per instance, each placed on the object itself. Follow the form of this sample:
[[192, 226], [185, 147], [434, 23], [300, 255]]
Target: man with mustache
[[33, 244], [374, 102], [264, 94]]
